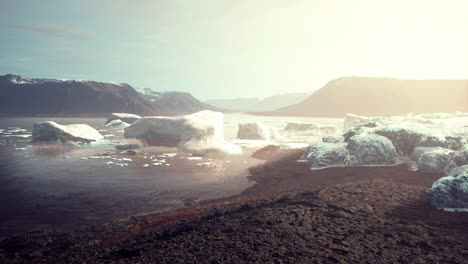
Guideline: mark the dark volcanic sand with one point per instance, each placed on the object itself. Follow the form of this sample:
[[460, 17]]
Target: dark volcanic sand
[[292, 215]]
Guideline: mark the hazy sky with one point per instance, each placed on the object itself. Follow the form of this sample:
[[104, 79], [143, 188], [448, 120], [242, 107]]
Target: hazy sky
[[233, 48]]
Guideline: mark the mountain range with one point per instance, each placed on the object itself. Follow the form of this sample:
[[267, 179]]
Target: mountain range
[[381, 97], [252, 104], [21, 96]]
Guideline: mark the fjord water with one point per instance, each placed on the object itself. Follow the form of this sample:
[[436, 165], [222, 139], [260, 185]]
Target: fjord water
[[65, 187]]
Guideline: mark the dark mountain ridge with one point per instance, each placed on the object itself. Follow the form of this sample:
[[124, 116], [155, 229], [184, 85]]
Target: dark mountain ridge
[[54, 97]]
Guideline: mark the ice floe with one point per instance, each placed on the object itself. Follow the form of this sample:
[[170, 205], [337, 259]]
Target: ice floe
[[256, 131], [50, 131], [200, 133]]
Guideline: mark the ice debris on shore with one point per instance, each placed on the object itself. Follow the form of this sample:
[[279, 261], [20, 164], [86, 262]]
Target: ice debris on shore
[[434, 145], [117, 123], [199, 133], [450, 192]]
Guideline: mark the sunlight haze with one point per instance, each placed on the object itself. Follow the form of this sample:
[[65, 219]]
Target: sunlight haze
[[222, 49]]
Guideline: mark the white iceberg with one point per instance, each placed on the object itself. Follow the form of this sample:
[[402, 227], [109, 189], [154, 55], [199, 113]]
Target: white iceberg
[[117, 123], [434, 159], [449, 192], [50, 131], [300, 126], [324, 155], [124, 117], [371, 150], [199, 133], [256, 131]]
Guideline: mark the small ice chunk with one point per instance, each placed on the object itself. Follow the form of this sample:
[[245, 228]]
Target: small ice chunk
[[156, 164], [194, 158], [83, 158], [126, 159], [146, 165], [204, 164], [66, 157], [110, 163], [167, 155]]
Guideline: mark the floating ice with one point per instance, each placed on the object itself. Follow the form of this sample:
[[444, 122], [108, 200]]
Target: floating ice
[[123, 117], [126, 159], [194, 158], [117, 124], [200, 133], [205, 164], [256, 131], [51, 131], [167, 155]]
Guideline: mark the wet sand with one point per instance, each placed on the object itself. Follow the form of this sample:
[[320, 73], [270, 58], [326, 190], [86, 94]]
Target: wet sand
[[291, 215]]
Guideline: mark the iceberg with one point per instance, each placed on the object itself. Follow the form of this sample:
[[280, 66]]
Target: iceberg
[[117, 123], [434, 159], [124, 117], [371, 150], [198, 133], [324, 155], [50, 131], [256, 131], [449, 192]]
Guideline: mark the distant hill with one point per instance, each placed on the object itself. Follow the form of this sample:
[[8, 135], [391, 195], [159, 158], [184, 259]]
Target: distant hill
[[54, 97], [259, 105], [381, 96], [235, 104], [176, 103]]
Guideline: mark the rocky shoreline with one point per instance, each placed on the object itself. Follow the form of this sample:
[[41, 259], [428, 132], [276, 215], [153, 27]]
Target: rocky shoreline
[[292, 215]]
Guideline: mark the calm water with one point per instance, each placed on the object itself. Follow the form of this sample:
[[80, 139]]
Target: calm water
[[65, 187]]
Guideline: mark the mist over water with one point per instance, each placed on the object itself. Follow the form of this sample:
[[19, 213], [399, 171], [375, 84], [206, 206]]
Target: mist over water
[[53, 187]]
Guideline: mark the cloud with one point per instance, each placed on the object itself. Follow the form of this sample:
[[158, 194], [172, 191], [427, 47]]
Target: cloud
[[50, 31]]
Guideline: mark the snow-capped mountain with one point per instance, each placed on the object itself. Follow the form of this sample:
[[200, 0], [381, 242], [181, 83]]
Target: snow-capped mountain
[[57, 97]]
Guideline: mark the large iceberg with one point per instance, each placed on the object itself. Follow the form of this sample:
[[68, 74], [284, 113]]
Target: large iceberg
[[200, 133], [450, 192], [124, 117], [50, 131], [256, 131], [432, 159], [324, 155], [371, 150]]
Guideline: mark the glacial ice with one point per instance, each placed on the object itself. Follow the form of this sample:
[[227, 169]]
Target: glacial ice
[[371, 150], [434, 159], [199, 133], [117, 123], [437, 145], [256, 131], [323, 155], [450, 192], [50, 131], [124, 117]]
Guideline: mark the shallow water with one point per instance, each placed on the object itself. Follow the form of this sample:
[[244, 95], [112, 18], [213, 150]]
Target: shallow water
[[64, 187]]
